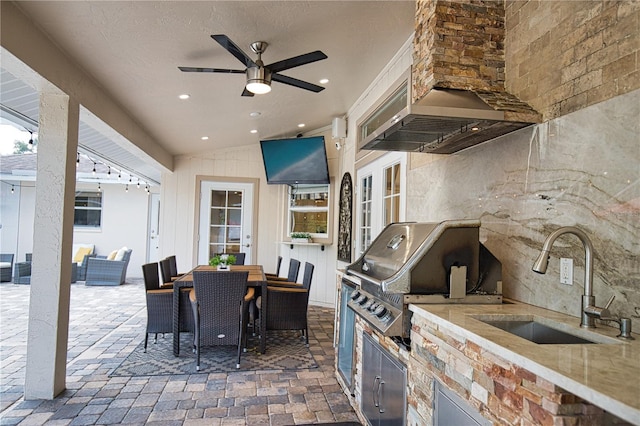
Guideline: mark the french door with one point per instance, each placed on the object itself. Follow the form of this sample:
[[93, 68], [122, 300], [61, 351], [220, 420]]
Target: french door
[[226, 219]]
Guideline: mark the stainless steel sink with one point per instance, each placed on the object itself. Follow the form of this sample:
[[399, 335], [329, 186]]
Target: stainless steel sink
[[538, 333]]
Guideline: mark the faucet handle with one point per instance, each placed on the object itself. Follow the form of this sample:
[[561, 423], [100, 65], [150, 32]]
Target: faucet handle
[[609, 301]]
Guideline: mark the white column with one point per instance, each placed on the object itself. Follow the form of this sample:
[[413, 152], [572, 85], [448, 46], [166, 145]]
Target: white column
[[53, 236]]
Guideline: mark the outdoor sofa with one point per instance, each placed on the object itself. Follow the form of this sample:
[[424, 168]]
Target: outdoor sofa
[[103, 271]]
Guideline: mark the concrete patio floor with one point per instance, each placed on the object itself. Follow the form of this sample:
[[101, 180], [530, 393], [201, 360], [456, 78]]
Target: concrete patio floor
[[107, 324]]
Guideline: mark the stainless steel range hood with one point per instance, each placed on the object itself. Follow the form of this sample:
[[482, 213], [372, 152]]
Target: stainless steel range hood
[[442, 122]]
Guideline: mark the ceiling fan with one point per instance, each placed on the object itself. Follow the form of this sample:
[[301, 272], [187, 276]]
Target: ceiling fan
[[259, 75]]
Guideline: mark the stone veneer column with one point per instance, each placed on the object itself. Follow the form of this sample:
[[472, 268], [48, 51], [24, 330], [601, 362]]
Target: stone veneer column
[[51, 274]]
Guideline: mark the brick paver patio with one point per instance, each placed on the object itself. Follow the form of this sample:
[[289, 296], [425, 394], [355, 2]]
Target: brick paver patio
[[107, 323]]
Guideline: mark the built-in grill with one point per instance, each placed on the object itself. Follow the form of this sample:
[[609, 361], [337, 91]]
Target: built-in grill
[[422, 263]]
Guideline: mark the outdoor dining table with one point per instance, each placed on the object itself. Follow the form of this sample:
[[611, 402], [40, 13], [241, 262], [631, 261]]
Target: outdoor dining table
[[256, 279]]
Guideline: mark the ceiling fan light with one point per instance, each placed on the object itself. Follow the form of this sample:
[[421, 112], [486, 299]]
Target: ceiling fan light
[[258, 80], [258, 87]]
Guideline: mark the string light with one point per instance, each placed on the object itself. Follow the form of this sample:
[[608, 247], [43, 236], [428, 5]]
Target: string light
[[138, 183], [108, 170], [31, 140], [94, 169], [119, 174], [130, 181], [12, 189], [126, 188], [77, 160], [99, 189]]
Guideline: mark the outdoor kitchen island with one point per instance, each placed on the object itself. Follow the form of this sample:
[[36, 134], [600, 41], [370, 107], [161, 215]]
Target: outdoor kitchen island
[[494, 377], [510, 380]]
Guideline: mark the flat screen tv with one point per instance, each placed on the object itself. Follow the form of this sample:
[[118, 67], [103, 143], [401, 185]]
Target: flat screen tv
[[295, 161]]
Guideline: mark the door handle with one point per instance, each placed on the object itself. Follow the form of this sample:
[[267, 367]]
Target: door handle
[[376, 390], [247, 245], [381, 409]]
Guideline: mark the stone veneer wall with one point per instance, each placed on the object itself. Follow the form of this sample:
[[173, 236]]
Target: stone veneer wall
[[502, 392], [562, 56], [460, 45]]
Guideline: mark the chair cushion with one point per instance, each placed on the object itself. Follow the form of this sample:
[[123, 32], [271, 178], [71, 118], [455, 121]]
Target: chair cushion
[[160, 291], [112, 255], [120, 254], [5, 264], [78, 257]]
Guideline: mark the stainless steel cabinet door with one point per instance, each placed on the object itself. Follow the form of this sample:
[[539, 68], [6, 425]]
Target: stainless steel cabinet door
[[392, 392], [370, 379]]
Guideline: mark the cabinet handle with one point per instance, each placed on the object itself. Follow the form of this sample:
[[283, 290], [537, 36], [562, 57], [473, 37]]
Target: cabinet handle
[[376, 390], [380, 396]]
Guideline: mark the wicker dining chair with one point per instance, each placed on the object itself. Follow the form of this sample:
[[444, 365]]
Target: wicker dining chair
[[292, 274], [277, 273], [173, 267], [219, 302], [165, 270], [287, 304], [159, 304]]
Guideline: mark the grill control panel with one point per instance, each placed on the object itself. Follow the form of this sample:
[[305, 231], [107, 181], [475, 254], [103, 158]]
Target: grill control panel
[[382, 316]]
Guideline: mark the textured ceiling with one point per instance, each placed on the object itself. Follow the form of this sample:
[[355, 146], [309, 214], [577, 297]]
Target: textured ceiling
[[133, 49]]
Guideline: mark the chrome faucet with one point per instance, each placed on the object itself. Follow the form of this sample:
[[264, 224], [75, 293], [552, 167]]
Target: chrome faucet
[[589, 310]]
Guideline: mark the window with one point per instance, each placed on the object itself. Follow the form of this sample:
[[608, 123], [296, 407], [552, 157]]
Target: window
[[380, 195], [88, 210], [309, 210]]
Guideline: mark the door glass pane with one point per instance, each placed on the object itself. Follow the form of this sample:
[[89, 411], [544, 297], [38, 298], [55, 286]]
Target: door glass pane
[[235, 217], [216, 235], [235, 199], [388, 181], [218, 198], [233, 234], [218, 216], [396, 179]]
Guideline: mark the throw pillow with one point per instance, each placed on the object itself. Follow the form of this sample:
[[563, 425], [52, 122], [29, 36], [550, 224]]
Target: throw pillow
[[120, 254], [79, 256], [112, 255]]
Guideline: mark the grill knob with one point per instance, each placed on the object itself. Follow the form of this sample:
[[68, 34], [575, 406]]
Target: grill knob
[[355, 295], [362, 299], [373, 306], [380, 311]]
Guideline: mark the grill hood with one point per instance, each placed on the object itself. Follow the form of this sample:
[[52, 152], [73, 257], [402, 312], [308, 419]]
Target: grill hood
[[417, 258]]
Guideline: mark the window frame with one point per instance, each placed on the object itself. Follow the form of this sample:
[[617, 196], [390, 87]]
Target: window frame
[[88, 194], [307, 189]]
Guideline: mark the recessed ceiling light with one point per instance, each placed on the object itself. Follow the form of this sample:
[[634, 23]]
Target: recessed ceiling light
[[254, 114], [184, 96], [301, 125], [205, 138], [253, 131], [324, 81]]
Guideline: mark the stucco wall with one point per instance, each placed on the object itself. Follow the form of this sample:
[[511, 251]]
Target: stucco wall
[[124, 222]]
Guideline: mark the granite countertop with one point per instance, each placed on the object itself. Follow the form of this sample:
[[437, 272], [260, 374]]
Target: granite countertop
[[605, 374]]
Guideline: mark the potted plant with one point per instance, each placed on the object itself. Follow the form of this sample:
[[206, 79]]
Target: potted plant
[[300, 237], [222, 261]]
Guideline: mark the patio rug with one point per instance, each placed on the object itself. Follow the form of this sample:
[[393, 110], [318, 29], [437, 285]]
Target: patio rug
[[285, 351]]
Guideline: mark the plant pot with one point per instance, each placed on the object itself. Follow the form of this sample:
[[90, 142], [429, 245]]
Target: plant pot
[[301, 240], [223, 268]]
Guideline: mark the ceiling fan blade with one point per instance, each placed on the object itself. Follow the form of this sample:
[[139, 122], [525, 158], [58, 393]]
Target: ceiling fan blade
[[233, 49], [296, 83], [222, 70], [245, 92], [296, 61]]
